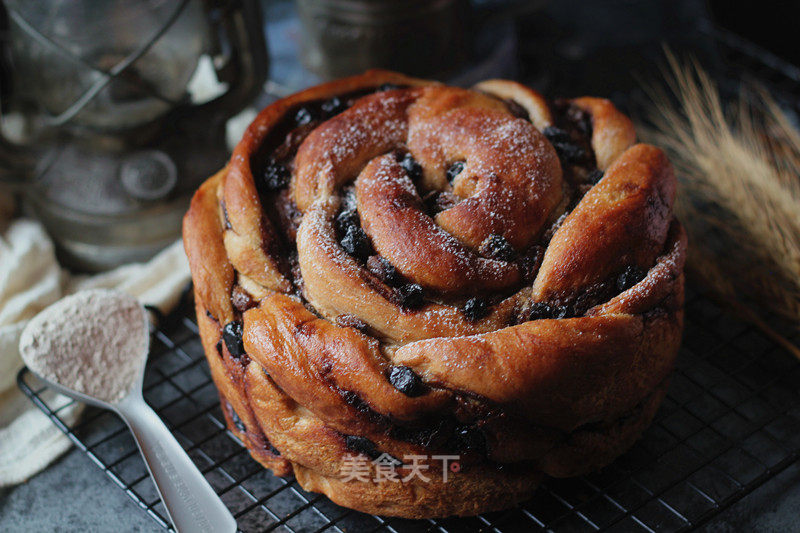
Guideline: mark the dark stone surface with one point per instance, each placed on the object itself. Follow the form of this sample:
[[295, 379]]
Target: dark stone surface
[[567, 51], [71, 495], [775, 506], [74, 495]]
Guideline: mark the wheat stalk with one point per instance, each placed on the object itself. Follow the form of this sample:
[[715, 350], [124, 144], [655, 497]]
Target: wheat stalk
[[739, 190]]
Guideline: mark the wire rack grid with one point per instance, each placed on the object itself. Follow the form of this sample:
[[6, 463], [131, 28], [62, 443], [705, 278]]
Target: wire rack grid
[[730, 422]]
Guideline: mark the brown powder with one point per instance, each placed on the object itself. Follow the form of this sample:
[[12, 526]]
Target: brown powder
[[94, 342]]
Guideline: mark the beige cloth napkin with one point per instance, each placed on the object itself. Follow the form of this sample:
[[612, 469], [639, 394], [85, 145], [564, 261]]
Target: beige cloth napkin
[[30, 280]]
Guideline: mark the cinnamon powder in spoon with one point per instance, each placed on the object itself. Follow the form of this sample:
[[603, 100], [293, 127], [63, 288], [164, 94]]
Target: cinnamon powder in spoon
[[94, 342]]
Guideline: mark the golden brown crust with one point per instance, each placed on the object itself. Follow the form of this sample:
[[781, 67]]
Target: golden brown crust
[[622, 220], [612, 132], [304, 333], [544, 387], [534, 103], [212, 272]]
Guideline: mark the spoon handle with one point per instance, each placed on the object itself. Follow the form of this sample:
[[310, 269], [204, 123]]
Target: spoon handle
[[192, 504]]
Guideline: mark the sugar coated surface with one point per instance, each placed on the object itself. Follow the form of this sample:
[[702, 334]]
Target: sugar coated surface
[[94, 342]]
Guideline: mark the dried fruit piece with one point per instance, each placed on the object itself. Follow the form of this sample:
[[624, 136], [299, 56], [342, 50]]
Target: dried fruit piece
[[410, 165], [545, 310], [454, 170], [362, 445], [383, 270], [406, 381], [570, 153], [345, 219], [475, 309], [276, 175], [305, 115], [556, 135], [630, 277], [411, 295], [356, 243], [232, 336], [581, 119], [468, 438], [497, 247], [334, 106]]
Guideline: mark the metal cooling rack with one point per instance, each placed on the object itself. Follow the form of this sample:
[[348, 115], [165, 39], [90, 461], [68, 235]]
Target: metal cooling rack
[[730, 422]]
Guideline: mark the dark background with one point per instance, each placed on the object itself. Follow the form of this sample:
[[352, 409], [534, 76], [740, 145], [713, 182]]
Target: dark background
[[565, 48], [609, 47], [604, 47]]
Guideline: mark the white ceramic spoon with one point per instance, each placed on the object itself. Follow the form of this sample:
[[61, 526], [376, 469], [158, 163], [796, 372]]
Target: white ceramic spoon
[[59, 345]]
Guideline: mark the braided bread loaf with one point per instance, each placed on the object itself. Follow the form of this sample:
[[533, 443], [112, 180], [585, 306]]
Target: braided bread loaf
[[393, 268]]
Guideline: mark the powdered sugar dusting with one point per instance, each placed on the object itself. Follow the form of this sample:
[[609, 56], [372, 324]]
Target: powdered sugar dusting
[[94, 342], [508, 185]]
